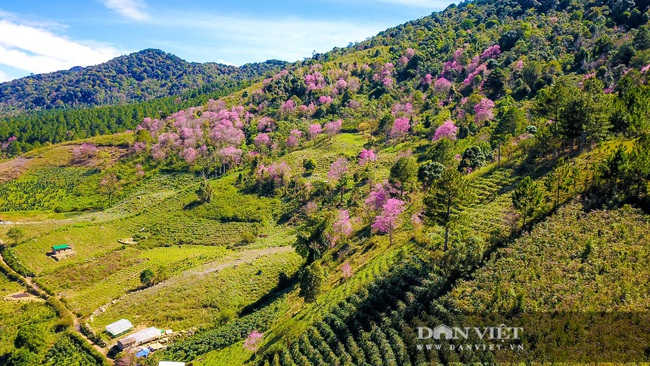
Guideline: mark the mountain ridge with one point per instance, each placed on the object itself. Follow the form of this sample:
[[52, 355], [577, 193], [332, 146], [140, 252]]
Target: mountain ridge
[[136, 77]]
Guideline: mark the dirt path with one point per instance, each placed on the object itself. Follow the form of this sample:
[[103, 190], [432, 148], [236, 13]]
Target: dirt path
[[29, 283]]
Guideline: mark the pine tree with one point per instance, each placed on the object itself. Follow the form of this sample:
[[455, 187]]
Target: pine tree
[[527, 199]]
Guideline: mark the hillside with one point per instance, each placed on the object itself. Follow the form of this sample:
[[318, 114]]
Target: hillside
[[485, 165], [137, 77]]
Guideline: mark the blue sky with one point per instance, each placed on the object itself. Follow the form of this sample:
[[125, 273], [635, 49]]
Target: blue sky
[[39, 36]]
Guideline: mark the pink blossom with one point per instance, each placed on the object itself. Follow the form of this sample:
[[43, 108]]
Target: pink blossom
[[337, 169], [353, 104], [80, 153], [346, 270], [442, 86], [315, 81], [388, 220], [491, 51], [342, 227], [519, 65], [447, 129], [189, 154], [400, 110], [410, 52], [341, 85], [230, 155], [474, 73], [378, 196], [403, 60], [325, 99], [310, 208], [314, 130], [645, 68], [388, 82], [158, 152], [366, 156], [427, 80], [483, 110], [294, 138], [265, 124], [400, 128], [262, 139], [416, 218], [252, 342], [139, 147], [332, 128], [288, 106]]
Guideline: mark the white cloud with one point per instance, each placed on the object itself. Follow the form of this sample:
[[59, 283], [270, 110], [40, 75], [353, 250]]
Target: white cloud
[[4, 77], [38, 50], [242, 39], [129, 8]]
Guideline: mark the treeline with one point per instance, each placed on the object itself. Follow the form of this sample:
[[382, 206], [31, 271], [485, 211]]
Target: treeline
[[137, 77], [25, 132]]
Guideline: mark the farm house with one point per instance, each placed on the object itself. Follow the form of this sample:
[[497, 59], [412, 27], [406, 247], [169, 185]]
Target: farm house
[[119, 327], [139, 338]]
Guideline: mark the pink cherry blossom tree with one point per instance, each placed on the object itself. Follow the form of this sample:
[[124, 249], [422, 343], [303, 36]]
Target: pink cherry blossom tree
[[262, 140], [337, 169], [314, 130], [367, 156], [388, 220], [341, 229], [400, 128], [252, 342], [333, 128], [483, 111], [447, 129], [442, 86], [288, 106], [294, 139], [346, 270]]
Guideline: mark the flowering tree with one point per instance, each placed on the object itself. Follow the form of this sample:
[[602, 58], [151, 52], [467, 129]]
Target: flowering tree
[[288, 106], [252, 342], [341, 85], [83, 152], [262, 140], [483, 111], [447, 129], [400, 129], [190, 155], [337, 169], [230, 156], [491, 51], [341, 229], [314, 130], [366, 156], [332, 128], [346, 270], [378, 196], [294, 139], [266, 124], [388, 220], [442, 86], [325, 99]]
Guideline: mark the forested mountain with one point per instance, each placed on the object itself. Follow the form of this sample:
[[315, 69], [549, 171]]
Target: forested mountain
[[137, 77], [492, 159]]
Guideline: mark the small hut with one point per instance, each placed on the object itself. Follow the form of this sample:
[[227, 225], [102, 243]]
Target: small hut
[[56, 249]]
